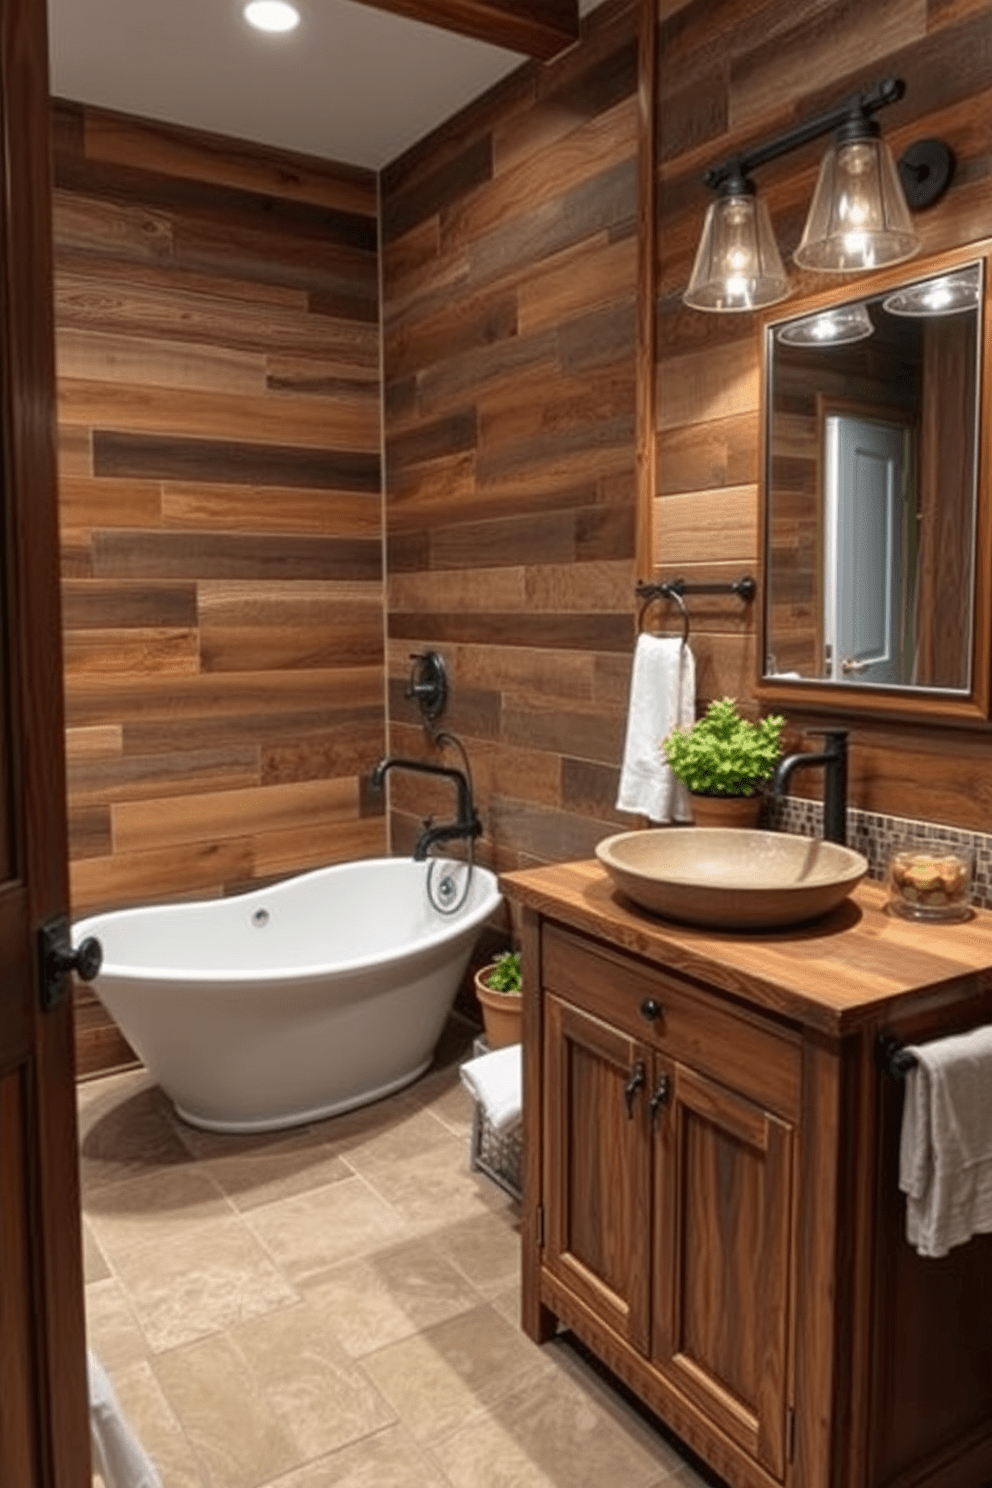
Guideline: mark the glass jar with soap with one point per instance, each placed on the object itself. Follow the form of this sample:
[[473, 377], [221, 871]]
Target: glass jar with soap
[[930, 880]]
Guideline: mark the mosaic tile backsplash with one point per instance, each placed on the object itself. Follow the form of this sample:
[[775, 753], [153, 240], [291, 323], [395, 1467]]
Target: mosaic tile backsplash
[[875, 835]]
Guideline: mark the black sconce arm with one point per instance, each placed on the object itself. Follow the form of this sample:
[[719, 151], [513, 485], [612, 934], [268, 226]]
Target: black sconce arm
[[856, 112]]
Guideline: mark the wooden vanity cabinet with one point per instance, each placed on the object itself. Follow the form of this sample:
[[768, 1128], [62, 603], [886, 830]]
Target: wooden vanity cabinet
[[668, 1189], [710, 1195]]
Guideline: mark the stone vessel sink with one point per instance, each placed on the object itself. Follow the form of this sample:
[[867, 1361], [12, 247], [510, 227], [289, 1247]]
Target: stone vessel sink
[[731, 879]]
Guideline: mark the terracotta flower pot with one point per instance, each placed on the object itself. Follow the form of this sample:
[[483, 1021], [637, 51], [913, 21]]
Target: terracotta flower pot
[[502, 1012], [726, 811]]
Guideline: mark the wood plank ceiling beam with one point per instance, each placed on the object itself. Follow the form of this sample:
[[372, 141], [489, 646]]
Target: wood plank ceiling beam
[[536, 28]]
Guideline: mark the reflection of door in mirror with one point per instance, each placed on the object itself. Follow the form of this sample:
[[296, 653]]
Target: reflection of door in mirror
[[881, 565], [869, 550]]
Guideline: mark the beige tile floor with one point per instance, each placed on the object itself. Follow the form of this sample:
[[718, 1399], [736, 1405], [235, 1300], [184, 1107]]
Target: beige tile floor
[[334, 1306]]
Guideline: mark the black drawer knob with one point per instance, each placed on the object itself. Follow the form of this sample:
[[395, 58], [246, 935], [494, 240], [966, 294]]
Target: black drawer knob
[[651, 1009]]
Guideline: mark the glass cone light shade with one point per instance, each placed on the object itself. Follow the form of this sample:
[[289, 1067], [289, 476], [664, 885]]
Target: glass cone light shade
[[859, 218], [738, 265], [830, 328], [947, 295]]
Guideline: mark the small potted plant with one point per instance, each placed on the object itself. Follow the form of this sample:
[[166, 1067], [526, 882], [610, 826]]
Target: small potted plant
[[725, 760], [498, 987]]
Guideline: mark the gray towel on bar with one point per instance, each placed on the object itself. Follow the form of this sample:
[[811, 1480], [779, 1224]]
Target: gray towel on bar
[[945, 1158]]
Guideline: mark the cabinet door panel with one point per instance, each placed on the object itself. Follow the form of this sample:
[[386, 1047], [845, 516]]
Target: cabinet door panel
[[598, 1168], [724, 1195]]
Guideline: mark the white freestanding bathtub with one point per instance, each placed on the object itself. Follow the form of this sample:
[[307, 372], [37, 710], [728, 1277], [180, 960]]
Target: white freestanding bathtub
[[294, 1002]]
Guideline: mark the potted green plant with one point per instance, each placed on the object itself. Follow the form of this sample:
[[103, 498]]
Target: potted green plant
[[498, 987], [724, 758]]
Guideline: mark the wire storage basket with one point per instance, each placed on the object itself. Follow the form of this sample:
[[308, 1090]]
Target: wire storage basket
[[499, 1155]]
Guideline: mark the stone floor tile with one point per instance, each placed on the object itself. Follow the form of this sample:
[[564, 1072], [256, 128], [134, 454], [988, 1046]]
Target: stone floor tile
[[323, 1399], [199, 1284], [412, 1132], [433, 1188], [544, 1436], [310, 1233], [154, 1208], [125, 1130], [157, 1427], [112, 1330], [447, 1099], [275, 1170], [485, 1248], [390, 1459], [379, 1299], [236, 1436], [452, 1373], [95, 1266]]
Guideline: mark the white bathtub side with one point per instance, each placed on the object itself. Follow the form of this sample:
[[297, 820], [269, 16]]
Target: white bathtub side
[[258, 1054]]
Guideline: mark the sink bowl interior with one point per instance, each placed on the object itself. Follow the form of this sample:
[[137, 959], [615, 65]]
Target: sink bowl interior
[[731, 879]]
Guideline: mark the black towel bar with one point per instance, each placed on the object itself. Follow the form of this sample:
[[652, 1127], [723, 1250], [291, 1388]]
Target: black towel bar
[[675, 589], [893, 1058]]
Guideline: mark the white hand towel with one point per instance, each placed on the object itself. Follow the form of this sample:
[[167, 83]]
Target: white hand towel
[[495, 1081], [945, 1156], [118, 1456], [662, 697]]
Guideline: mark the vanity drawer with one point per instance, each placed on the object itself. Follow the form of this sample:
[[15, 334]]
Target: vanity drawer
[[752, 1055]]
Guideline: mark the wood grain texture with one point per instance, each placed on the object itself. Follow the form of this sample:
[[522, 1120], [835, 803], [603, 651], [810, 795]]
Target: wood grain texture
[[509, 333], [730, 75], [795, 1336], [537, 28], [217, 343]]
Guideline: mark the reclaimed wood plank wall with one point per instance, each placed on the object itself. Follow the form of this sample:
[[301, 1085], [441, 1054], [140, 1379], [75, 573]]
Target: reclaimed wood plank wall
[[219, 424], [510, 316], [731, 73]]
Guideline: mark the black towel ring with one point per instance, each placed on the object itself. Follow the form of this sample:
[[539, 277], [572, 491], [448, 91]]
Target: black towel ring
[[664, 591]]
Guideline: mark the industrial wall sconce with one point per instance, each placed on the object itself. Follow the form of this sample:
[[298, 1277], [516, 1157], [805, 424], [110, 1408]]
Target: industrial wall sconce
[[859, 217]]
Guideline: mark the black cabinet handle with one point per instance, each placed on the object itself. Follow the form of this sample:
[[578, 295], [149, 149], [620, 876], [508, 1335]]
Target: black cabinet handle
[[660, 1098], [633, 1085], [651, 1009]]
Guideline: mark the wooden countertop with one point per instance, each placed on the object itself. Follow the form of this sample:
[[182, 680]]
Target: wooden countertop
[[839, 973]]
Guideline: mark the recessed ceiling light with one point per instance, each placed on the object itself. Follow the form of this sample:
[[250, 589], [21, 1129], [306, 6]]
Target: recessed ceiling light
[[271, 15]]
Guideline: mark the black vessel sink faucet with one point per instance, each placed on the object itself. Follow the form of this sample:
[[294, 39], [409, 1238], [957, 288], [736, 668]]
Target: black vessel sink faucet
[[833, 758]]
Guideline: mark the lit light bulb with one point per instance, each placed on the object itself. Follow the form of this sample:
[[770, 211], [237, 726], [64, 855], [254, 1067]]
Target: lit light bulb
[[271, 15], [939, 296]]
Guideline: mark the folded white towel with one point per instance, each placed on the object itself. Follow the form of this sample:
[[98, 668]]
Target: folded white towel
[[118, 1456], [495, 1081], [662, 697], [945, 1156]]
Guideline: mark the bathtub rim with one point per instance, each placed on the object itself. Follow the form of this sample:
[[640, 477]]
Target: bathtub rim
[[450, 928]]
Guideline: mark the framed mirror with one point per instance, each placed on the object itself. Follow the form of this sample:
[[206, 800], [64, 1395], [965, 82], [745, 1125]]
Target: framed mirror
[[876, 566]]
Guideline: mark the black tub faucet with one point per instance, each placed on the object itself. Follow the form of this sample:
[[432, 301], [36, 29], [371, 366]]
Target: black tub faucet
[[467, 825], [833, 758]]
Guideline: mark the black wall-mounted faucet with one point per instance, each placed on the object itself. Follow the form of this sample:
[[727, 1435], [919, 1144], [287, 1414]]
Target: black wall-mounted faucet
[[468, 824], [833, 758]]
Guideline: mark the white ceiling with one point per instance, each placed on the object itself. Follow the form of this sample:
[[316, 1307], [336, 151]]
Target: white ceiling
[[351, 83]]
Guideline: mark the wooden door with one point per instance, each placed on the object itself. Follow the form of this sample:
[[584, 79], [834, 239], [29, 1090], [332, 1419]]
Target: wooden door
[[597, 1167], [723, 1198], [44, 1432]]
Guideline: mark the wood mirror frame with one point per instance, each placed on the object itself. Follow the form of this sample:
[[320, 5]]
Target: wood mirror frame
[[894, 701]]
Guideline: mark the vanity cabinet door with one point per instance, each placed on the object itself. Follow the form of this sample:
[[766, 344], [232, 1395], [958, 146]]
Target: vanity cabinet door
[[723, 1202], [597, 1175]]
